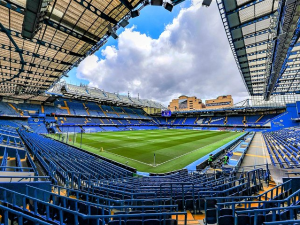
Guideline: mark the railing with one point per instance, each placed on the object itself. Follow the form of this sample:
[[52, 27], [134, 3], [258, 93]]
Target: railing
[[32, 164], [25, 177], [291, 209], [288, 201], [77, 215], [97, 198], [4, 161], [17, 168], [182, 184], [289, 222], [224, 192], [18, 162], [125, 192], [5, 217], [232, 199]]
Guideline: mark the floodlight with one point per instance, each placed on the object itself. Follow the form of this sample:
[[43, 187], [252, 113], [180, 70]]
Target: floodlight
[[168, 6], [124, 23], [206, 3], [135, 13], [157, 2]]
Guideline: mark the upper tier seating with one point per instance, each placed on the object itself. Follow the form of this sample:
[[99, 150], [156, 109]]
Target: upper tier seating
[[216, 120], [6, 109], [78, 90]]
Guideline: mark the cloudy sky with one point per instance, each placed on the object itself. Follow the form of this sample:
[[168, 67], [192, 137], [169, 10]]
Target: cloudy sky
[[162, 55]]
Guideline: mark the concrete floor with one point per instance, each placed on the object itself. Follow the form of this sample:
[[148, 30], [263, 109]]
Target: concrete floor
[[257, 153]]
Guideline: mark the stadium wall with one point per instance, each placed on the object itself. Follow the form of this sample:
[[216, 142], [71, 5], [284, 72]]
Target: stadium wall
[[284, 120]]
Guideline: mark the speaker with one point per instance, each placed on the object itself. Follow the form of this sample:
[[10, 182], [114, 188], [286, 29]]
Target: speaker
[[124, 23], [168, 6], [157, 2], [135, 13], [206, 3]]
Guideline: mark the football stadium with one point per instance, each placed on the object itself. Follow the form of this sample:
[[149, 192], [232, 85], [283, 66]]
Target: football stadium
[[82, 155]]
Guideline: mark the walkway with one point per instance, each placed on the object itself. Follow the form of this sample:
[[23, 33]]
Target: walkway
[[257, 153]]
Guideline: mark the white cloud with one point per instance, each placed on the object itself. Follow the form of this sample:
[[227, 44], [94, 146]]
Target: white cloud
[[191, 57]]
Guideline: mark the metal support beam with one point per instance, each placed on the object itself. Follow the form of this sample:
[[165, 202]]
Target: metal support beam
[[30, 72], [17, 49], [253, 53], [43, 43], [12, 6], [31, 64], [12, 88], [255, 34], [91, 8], [244, 6], [25, 71], [69, 31], [249, 22], [254, 45], [258, 65], [127, 4], [25, 52]]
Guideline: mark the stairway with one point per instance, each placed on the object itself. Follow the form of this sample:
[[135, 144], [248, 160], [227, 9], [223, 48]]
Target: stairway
[[86, 109], [244, 121], [14, 108], [125, 112], [209, 120], [259, 118], [114, 111], [225, 121], [66, 107], [102, 110], [196, 120], [57, 127]]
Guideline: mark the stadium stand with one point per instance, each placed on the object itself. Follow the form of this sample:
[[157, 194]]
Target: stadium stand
[[253, 179], [283, 147], [78, 187]]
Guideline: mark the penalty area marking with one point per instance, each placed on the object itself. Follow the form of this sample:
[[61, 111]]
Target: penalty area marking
[[130, 159], [193, 151], [117, 155]]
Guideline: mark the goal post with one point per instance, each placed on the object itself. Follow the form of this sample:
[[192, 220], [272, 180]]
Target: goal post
[[68, 137]]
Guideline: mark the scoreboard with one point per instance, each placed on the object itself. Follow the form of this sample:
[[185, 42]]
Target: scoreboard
[[166, 113]]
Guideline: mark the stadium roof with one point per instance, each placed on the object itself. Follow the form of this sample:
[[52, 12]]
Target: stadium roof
[[264, 38], [41, 40], [97, 95]]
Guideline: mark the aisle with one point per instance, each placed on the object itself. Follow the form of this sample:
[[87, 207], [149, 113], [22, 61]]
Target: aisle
[[257, 153]]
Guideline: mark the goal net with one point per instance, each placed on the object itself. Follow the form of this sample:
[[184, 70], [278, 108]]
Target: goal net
[[69, 138]]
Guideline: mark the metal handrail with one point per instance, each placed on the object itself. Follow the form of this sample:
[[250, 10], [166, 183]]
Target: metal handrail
[[96, 196], [273, 210]]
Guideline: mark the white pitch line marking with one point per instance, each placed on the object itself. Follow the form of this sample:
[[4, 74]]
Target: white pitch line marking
[[193, 151]]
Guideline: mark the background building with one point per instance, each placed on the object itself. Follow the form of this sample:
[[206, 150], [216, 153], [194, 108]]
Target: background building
[[219, 102], [185, 103]]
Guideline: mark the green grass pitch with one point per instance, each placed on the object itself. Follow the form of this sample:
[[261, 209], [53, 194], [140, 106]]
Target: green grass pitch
[[174, 149]]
